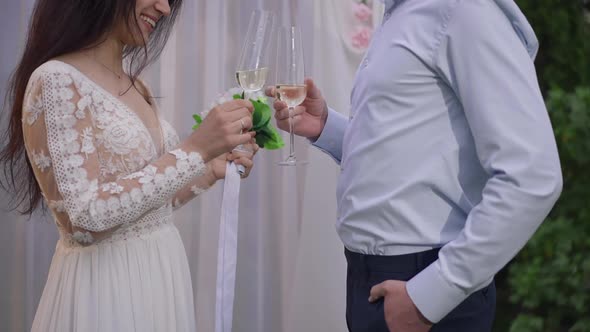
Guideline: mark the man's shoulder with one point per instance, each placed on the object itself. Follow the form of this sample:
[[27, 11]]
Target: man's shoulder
[[419, 25]]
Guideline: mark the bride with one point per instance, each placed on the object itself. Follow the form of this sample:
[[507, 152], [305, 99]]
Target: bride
[[85, 140]]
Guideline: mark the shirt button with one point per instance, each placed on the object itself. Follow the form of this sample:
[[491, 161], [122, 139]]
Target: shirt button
[[365, 62]]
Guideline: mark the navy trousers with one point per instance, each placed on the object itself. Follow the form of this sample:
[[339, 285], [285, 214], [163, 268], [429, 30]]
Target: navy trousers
[[475, 314]]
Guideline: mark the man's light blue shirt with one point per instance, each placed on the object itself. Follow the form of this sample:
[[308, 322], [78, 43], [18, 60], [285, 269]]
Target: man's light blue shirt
[[448, 144]]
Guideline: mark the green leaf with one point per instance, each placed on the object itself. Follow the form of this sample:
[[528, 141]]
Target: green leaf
[[198, 121], [261, 116], [269, 138]]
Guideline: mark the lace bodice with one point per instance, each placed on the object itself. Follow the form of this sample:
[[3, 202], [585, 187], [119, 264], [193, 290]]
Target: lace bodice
[[95, 160]]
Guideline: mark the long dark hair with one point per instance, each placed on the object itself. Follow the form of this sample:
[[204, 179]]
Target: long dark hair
[[59, 27]]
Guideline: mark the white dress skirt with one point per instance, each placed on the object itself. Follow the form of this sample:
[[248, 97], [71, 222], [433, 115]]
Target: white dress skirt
[[138, 284]]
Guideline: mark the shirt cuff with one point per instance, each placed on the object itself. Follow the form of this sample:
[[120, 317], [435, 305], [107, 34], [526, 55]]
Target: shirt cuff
[[433, 295], [330, 141]]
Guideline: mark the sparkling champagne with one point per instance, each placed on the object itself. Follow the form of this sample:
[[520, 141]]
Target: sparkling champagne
[[252, 80], [292, 95]]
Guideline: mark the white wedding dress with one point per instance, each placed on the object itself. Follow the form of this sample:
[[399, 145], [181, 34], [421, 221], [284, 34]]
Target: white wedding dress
[[120, 264]]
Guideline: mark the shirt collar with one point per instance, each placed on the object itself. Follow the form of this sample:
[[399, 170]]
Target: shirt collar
[[390, 4]]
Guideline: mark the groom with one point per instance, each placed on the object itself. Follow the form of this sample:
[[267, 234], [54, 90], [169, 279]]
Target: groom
[[448, 160]]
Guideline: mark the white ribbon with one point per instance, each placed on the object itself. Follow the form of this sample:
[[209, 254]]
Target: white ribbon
[[227, 250]]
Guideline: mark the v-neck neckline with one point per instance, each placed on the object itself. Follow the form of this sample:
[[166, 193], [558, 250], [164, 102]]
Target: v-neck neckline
[[124, 106]]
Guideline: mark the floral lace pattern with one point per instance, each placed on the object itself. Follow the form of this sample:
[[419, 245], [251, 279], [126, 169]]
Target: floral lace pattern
[[149, 223], [57, 206], [105, 164], [34, 110], [41, 160], [197, 190]]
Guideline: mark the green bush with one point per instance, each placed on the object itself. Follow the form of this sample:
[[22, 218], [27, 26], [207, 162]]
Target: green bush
[[547, 287], [549, 281], [564, 56]]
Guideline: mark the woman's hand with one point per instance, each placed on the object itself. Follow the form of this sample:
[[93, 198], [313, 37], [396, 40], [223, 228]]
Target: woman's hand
[[218, 165], [225, 127]]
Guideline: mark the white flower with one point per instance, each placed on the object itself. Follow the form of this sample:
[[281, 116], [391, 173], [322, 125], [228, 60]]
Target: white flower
[[195, 158], [65, 94], [176, 203], [197, 191], [151, 170], [41, 160], [108, 105], [74, 161], [171, 172], [136, 195], [104, 118], [86, 191], [149, 173], [85, 88], [92, 189], [125, 200], [69, 108], [73, 147], [83, 238], [80, 173], [182, 166], [70, 135], [87, 142], [80, 114], [97, 97], [58, 206], [120, 138], [64, 79], [134, 175], [34, 110], [83, 103], [160, 180], [114, 204], [108, 167], [101, 207], [68, 121], [179, 154], [148, 189], [80, 187], [112, 188]]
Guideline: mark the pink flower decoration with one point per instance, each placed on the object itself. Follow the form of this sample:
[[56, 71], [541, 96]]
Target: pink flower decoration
[[362, 37], [362, 12]]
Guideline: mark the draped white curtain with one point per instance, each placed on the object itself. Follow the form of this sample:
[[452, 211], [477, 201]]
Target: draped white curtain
[[291, 270]]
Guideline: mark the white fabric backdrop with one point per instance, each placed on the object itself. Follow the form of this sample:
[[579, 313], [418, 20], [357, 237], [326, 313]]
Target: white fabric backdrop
[[291, 270]]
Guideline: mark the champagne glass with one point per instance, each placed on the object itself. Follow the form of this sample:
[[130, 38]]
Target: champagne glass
[[253, 65], [290, 86]]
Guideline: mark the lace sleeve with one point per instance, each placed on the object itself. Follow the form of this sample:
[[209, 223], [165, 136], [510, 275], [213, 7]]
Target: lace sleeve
[[192, 190], [60, 138], [199, 184]]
